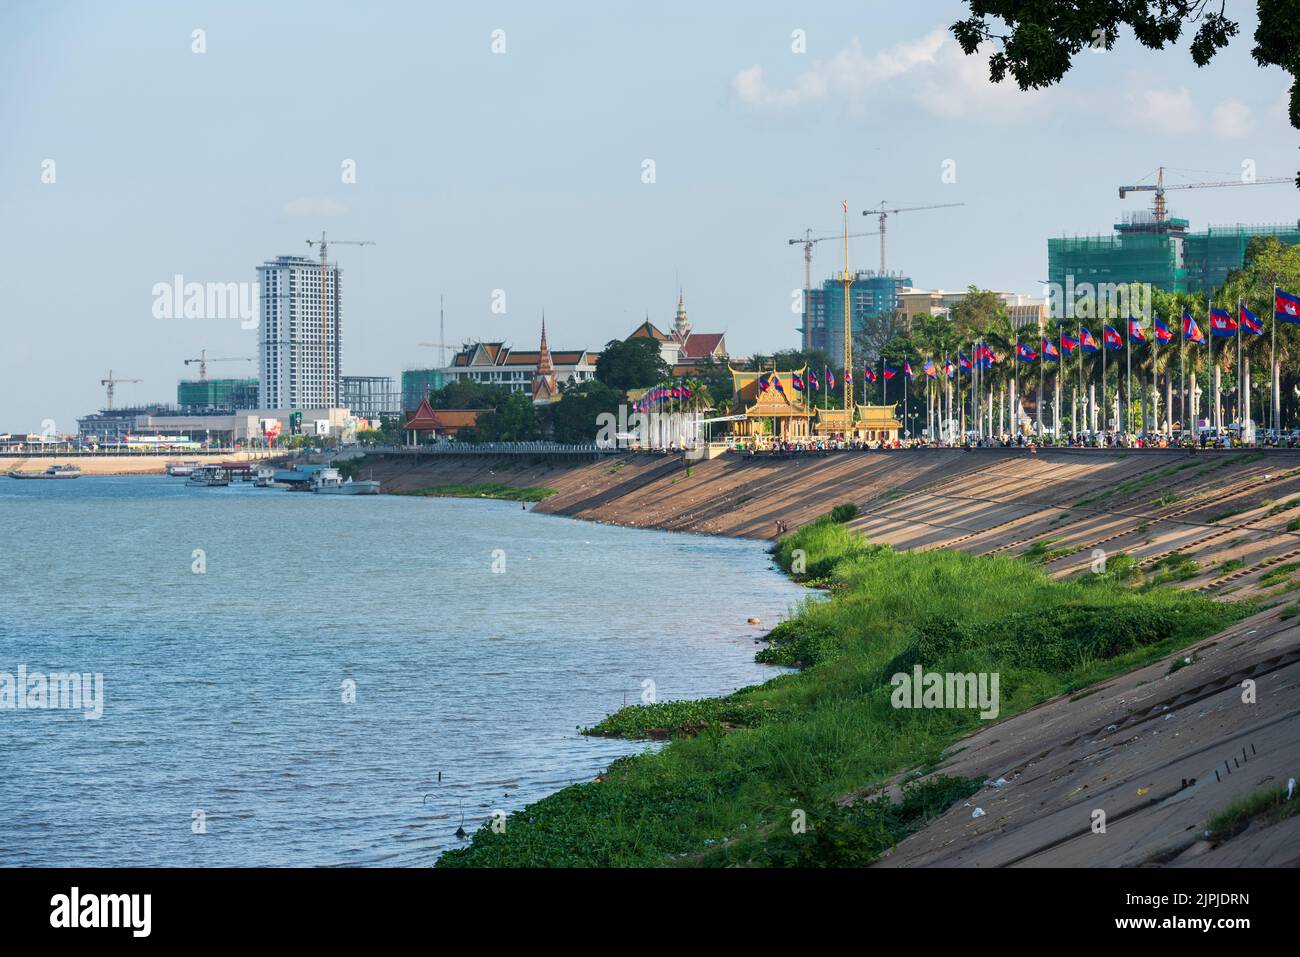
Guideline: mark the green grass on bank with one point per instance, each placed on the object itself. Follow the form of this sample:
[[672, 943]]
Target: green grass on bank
[[1269, 805], [487, 490], [743, 771]]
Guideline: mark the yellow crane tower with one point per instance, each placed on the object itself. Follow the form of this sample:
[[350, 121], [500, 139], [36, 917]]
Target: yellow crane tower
[[808, 241], [847, 277], [326, 371]]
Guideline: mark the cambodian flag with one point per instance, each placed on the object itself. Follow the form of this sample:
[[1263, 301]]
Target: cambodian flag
[[1222, 324], [1286, 306], [1191, 331], [868, 374], [964, 362], [1250, 322], [889, 373], [848, 377], [796, 380], [929, 369], [1162, 331], [1024, 353], [830, 380], [776, 381], [1069, 343], [1111, 337], [907, 370], [1086, 340], [948, 367], [1135, 332], [765, 381], [1050, 352], [812, 380]]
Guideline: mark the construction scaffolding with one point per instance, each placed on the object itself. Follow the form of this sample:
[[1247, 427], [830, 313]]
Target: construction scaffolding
[[1211, 255], [216, 394], [417, 384], [1160, 252], [370, 396]]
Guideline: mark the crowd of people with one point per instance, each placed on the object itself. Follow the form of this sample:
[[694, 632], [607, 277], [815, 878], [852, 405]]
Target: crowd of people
[[1203, 440]]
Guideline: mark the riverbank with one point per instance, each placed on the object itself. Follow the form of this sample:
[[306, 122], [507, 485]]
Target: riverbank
[[795, 771], [1220, 524], [118, 464]]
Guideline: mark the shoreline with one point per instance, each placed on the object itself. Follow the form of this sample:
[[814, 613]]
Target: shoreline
[[1146, 478], [110, 465]]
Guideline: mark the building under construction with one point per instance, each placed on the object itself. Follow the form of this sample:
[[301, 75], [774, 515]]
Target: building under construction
[[371, 396], [871, 294], [1161, 252], [216, 395]]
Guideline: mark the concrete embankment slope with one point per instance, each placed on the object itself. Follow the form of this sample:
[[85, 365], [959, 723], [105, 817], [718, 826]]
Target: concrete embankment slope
[[1159, 750]]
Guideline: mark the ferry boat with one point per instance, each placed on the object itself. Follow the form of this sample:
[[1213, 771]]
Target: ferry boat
[[182, 469], [331, 482], [53, 472], [208, 476]]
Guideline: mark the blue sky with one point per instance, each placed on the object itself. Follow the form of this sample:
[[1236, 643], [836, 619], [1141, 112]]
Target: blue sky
[[522, 171]]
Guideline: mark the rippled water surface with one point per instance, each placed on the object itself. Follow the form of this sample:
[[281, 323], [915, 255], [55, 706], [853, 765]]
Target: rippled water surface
[[223, 691]]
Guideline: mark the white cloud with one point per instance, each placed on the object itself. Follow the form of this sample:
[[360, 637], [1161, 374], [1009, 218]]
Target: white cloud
[[1231, 120], [931, 69], [314, 208], [849, 75], [958, 87], [1171, 112], [1175, 112]]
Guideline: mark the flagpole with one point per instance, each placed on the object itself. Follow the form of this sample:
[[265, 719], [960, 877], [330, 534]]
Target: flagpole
[[1241, 420], [1274, 405], [1155, 363]]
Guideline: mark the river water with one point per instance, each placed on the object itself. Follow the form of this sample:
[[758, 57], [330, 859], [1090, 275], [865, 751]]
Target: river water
[[296, 702]]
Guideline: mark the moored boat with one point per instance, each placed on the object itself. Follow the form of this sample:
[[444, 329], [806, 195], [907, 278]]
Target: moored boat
[[208, 476], [331, 482], [53, 472]]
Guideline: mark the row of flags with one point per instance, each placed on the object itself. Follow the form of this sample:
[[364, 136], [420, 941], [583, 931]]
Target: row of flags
[[663, 393], [1222, 324]]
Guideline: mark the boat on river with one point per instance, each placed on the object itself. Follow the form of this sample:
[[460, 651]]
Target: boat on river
[[331, 482], [53, 472]]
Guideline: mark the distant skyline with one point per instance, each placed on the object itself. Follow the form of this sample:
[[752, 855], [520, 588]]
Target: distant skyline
[[523, 171]]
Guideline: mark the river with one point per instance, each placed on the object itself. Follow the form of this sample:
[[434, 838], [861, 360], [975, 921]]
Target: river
[[286, 677]]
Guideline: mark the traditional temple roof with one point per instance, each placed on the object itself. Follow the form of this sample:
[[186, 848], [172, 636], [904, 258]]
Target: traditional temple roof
[[700, 345], [772, 402], [648, 330], [427, 419]]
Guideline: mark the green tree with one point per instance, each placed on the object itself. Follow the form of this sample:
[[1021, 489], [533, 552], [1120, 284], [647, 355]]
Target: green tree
[[1044, 38], [468, 394], [573, 418], [631, 364], [715, 378], [513, 420]]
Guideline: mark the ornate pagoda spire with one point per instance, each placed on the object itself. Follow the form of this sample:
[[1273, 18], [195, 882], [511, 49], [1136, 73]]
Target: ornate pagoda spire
[[681, 324], [545, 388]]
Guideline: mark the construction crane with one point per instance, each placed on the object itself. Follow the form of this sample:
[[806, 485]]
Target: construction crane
[[1161, 209], [808, 241], [203, 361], [883, 212], [442, 336], [112, 381], [327, 393]]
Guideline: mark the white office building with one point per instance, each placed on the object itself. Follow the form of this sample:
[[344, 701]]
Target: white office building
[[301, 334]]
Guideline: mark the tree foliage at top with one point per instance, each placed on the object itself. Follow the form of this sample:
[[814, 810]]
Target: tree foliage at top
[[631, 364], [1042, 39]]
